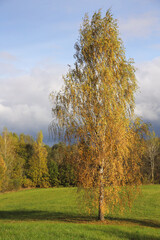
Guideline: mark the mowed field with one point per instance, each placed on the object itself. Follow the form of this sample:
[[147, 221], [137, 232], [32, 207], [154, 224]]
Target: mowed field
[[54, 214]]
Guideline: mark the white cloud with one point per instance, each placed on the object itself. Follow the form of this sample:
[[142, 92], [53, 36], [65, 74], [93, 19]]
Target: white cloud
[[9, 69], [148, 100], [24, 104], [140, 26]]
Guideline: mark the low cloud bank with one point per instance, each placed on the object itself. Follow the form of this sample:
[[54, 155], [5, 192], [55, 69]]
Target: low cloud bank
[[24, 97], [148, 98], [24, 104]]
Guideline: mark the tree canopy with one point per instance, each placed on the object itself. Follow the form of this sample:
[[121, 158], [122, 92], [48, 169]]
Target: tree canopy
[[95, 108]]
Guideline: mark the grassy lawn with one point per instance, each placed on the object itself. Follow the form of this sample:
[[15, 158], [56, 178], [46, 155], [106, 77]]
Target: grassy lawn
[[53, 214]]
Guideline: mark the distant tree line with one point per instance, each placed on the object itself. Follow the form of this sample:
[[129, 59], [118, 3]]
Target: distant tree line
[[26, 163]]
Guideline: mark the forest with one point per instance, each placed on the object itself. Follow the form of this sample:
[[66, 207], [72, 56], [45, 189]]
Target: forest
[[26, 163], [29, 163]]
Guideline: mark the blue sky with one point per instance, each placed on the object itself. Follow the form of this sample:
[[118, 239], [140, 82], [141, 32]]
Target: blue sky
[[37, 42]]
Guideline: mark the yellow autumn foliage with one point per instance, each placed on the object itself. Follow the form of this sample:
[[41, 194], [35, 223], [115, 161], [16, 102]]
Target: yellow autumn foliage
[[2, 171], [96, 110]]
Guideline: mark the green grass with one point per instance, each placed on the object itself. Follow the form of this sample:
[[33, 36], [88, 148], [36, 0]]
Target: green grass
[[53, 214]]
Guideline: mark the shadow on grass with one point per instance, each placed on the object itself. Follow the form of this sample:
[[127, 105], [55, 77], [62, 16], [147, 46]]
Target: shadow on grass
[[135, 235], [126, 234], [24, 215], [144, 222]]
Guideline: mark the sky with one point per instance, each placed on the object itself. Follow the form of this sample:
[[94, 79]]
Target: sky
[[37, 44]]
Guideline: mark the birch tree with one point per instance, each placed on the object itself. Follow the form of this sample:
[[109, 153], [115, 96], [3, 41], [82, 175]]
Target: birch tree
[[95, 108], [152, 151]]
